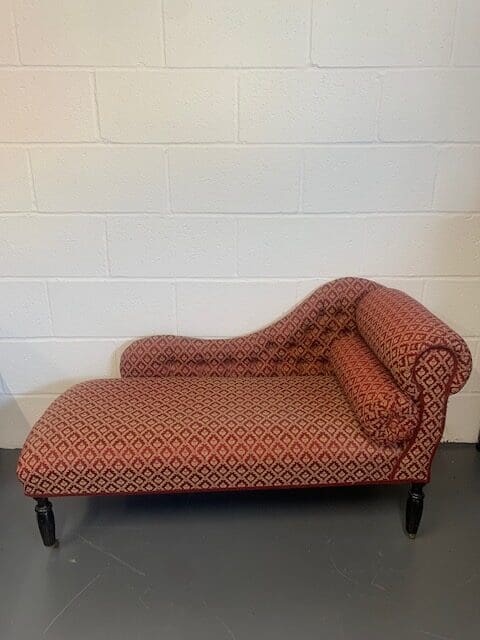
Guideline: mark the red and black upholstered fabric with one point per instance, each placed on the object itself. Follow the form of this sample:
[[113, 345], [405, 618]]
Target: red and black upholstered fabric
[[297, 345], [399, 330], [428, 360], [279, 407], [186, 434]]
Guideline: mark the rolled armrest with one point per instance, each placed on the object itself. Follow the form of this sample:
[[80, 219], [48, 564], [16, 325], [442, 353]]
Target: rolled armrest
[[400, 330]]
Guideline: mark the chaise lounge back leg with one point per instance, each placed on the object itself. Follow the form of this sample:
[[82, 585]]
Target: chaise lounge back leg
[[46, 522], [414, 509], [350, 387]]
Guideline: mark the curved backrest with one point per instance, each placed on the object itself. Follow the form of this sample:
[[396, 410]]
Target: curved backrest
[[297, 344]]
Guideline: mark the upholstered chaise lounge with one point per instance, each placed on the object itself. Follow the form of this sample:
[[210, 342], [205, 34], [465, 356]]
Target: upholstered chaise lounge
[[351, 387]]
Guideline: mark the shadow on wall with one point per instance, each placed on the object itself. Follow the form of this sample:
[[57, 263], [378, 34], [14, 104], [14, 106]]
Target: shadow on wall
[[14, 424]]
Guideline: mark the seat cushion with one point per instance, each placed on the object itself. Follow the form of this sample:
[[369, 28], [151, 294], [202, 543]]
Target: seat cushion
[[144, 435]]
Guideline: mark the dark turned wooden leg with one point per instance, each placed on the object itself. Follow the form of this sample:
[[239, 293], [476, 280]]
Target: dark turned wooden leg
[[478, 443], [414, 509], [46, 521]]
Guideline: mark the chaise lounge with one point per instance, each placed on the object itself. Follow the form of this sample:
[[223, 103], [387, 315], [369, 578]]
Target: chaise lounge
[[350, 387]]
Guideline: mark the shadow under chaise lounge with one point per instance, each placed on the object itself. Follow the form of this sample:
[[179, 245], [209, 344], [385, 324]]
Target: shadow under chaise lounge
[[350, 387]]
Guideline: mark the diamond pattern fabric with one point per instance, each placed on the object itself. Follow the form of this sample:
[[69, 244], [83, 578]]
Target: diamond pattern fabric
[[385, 412], [350, 387], [298, 344], [399, 330], [435, 370], [183, 434]]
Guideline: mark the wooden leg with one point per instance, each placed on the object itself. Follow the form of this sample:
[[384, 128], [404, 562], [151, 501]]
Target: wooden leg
[[414, 509], [46, 522]]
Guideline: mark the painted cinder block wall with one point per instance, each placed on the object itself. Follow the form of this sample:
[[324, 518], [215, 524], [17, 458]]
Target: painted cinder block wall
[[198, 166]]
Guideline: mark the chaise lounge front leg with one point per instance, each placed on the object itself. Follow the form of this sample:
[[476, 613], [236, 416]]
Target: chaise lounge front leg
[[414, 508], [46, 521]]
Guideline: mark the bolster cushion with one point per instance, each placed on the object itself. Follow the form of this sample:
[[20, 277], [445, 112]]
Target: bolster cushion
[[386, 414]]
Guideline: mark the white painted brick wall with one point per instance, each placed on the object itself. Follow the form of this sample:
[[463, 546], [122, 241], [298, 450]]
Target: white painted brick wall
[[369, 178], [171, 246], [16, 190], [46, 366], [8, 45], [230, 308], [430, 105], [199, 166], [457, 302], [25, 310], [234, 180], [473, 384], [247, 33], [308, 106], [371, 33], [96, 33], [467, 43], [100, 178], [421, 245], [52, 246], [46, 106], [113, 309], [175, 106], [457, 186], [329, 244]]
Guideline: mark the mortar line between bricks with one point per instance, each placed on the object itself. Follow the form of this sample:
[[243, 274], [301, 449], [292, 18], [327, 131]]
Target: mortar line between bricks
[[49, 303], [13, 16], [363, 236], [310, 35], [185, 69], [301, 184], [422, 292], [164, 32], [262, 215], [236, 111], [107, 247], [175, 306], [95, 107], [381, 81], [454, 35], [236, 241], [251, 279], [168, 186], [435, 177], [406, 144], [32, 181]]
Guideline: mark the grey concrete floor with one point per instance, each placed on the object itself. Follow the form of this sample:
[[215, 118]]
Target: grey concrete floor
[[311, 564]]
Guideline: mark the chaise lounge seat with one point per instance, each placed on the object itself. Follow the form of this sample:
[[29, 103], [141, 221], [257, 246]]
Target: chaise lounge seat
[[350, 387], [180, 434]]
